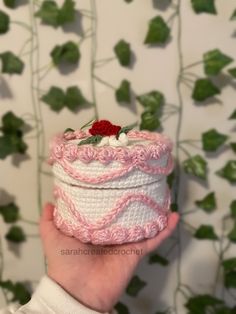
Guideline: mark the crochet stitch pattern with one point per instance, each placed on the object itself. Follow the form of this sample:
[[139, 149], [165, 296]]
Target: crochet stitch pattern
[[111, 195]]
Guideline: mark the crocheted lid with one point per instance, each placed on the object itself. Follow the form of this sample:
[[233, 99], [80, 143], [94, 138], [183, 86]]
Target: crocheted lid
[[143, 157]]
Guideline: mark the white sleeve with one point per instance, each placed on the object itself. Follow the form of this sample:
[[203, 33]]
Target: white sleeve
[[50, 298]]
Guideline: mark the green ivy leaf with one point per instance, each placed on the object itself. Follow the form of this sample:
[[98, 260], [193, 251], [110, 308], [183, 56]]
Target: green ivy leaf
[[228, 172], [158, 32], [151, 101], [232, 234], [233, 209], [67, 12], [11, 123], [11, 64], [233, 115], [197, 166], [157, 259], [229, 264], [9, 212], [10, 3], [66, 53], [123, 52], [55, 98], [199, 304], [233, 146], [121, 308], [128, 1], [204, 6], [230, 279], [204, 89], [123, 92], [233, 16], [149, 121], [208, 203], [232, 72], [11, 144], [134, 286], [205, 232], [4, 22], [18, 290], [15, 234], [12, 140], [51, 14], [215, 61], [74, 98], [48, 13], [95, 139], [212, 140]]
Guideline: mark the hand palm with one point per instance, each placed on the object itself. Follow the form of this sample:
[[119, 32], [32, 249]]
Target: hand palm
[[97, 280]]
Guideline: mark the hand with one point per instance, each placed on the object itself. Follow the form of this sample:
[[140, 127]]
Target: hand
[[95, 280]]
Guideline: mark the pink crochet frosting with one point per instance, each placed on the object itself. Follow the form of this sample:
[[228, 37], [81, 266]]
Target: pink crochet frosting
[[125, 191]]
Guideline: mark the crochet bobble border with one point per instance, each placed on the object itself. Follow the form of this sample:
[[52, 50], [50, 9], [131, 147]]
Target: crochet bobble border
[[94, 232], [137, 157]]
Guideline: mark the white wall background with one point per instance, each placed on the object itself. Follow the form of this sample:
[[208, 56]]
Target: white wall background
[[154, 68]]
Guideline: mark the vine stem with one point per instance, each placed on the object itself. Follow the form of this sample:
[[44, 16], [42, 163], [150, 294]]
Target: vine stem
[[93, 55], [176, 187]]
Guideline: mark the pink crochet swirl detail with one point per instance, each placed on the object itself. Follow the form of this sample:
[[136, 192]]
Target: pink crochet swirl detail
[[62, 148], [112, 235], [119, 207]]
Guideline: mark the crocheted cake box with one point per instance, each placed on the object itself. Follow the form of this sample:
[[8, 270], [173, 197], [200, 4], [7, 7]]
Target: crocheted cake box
[[111, 193]]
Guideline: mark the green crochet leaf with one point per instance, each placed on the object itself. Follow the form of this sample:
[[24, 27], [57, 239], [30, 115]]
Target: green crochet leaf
[[205, 232], [66, 53], [135, 286], [123, 52], [213, 140], [204, 6], [208, 203], [11, 64], [15, 234], [158, 32], [215, 61], [196, 166], [204, 89], [4, 22], [228, 172], [123, 93], [95, 139], [9, 212]]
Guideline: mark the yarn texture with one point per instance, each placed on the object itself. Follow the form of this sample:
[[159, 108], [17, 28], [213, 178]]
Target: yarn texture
[[111, 195]]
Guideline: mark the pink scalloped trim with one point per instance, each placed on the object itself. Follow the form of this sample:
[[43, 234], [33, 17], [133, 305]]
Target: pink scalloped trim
[[114, 235], [62, 149], [119, 207]]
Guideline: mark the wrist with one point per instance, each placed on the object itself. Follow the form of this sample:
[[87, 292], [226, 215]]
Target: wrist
[[83, 293]]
